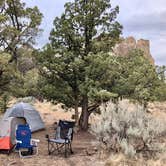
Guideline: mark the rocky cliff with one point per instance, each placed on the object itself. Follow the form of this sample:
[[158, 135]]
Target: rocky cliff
[[128, 44]]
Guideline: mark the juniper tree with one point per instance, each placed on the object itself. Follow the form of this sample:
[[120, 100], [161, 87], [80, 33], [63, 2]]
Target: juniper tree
[[19, 25], [5, 72], [136, 78], [71, 63]]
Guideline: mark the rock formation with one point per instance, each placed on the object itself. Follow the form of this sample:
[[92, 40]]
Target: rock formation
[[128, 44]]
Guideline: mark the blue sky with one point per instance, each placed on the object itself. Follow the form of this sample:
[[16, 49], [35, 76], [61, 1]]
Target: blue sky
[[144, 19]]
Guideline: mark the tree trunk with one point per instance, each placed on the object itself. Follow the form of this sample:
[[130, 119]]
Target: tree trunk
[[76, 113], [83, 121]]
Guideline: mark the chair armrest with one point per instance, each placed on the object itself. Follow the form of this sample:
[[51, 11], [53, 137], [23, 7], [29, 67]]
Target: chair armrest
[[17, 141], [34, 141]]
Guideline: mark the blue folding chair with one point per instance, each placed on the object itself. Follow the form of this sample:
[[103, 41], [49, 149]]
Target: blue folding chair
[[25, 145]]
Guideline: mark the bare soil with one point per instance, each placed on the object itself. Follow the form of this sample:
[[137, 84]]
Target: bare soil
[[84, 151], [81, 146]]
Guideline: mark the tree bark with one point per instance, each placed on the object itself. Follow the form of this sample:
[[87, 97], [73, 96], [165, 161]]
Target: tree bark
[[83, 121], [76, 113]]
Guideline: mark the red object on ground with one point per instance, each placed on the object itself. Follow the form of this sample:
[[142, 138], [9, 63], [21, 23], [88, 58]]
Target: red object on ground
[[5, 143]]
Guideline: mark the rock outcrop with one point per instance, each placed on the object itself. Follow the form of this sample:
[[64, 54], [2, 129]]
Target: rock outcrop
[[128, 44]]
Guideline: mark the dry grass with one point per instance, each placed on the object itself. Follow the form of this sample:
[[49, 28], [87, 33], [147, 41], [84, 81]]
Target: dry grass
[[121, 160]]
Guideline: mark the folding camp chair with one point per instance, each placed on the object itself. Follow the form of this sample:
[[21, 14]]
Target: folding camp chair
[[62, 139], [25, 145]]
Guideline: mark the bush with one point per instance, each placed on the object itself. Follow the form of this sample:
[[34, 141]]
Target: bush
[[129, 131], [28, 99], [4, 101]]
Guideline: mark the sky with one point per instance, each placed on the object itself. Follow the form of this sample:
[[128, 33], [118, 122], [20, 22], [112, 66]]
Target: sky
[[142, 19]]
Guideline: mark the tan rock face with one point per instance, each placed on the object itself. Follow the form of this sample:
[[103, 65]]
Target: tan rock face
[[128, 44]]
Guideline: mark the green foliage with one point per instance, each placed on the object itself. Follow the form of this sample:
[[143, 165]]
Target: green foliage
[[15, 82], [160, 91], [161, 71], [26, 60], [6, 72], [99, 75], [4, 101], [27, 82], [137, 78], [66, 61], [18, 25], [83, 21], [28, 99]]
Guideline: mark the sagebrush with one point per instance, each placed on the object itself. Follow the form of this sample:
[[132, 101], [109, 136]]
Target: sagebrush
[[119, 129]]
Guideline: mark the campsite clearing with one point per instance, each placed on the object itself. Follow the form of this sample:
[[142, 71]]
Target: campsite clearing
[[84, 151]]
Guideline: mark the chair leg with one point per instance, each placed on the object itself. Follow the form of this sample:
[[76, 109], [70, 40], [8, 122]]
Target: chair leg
[[37, 150], [30, 150], [57, 147], [20, 154], [48, 148], [71, 151], [65, 150], [53, 146]]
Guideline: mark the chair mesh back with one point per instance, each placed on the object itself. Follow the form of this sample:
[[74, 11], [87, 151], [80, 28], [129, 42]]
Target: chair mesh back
[[57, 135], [65, 130]]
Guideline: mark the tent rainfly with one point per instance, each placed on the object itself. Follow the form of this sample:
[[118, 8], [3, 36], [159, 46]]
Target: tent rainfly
[[7, 132], [25, 110]]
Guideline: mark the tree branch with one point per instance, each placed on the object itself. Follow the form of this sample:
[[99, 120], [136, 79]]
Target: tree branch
[[92, 108], [15, 15]]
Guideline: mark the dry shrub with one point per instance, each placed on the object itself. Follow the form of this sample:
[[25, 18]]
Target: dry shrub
[[132, 132]]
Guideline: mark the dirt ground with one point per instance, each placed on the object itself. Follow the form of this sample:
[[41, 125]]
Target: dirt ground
[[84, 151], [81, 146]]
